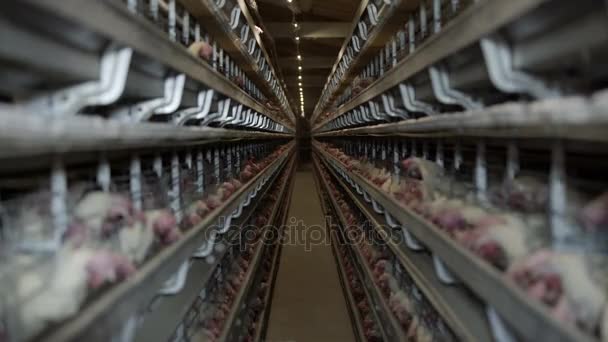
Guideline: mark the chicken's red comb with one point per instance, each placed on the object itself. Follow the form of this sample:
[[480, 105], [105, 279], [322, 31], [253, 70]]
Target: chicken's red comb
[[407, 163]]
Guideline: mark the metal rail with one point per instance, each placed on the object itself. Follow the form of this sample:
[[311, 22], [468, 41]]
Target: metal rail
[[527, 317], [577, 118], [157, 323], [106, 315], [461, 311], [391, 331], [353, 311], [24, 135], [261, 326], [228, 332], [356, 318]]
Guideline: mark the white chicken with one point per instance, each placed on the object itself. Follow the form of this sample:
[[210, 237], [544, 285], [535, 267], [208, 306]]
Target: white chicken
[[47, 300], [103, 213], [402, 307], [566, 282], [201, 49], [53, 292], [136, 240]]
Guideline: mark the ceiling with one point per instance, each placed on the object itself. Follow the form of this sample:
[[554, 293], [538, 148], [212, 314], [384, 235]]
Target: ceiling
[[322, 26]]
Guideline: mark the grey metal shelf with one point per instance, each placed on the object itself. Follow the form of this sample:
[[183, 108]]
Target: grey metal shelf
[[391, 18], [216, 22], [480, 19], [106, 315], [577, 117], [528, 318], [351, 30], [113, 21], [25, 135]]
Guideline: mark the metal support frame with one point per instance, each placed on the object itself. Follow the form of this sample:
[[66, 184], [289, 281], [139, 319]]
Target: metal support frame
[[167, 104], [204, 101], [113, 72], [223, 107], [499, 62], [408, 96], [440, 82]]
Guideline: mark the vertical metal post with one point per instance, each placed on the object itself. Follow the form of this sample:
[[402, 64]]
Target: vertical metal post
[[221, 61], [401, 38], [455, 6], [132, 6], [481, 171], [135, 182], [411, 26], [104, 173], [172, 20], [158, 165], [512, 160], [381, 62], [200, 172], [439, 154], [228, 152], [560, 229], [197, 32], [437, 15], [396, 168], [154, 10], [209, 156], [186, 28], [374, 151], [59, 190], [175, 185], [425, 150], [457, 156], [238, 151], [423, 20], [189, 160], [217, 166], [215, 55], [394, 49]]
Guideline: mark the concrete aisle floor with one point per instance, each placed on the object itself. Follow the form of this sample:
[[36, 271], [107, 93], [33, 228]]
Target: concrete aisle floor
[[308, 303]]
